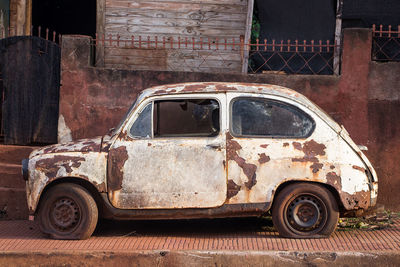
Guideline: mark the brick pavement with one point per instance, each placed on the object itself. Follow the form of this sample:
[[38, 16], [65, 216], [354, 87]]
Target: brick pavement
[[203, 235]]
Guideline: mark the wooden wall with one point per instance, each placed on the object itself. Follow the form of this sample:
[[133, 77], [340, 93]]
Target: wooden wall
[[206, 19]]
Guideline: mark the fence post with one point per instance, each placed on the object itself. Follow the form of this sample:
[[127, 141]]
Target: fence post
[[249, 22], [338, 38]]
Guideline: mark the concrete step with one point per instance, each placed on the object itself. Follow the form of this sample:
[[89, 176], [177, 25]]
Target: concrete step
[[11, 176], [13, 204], [14, 154]]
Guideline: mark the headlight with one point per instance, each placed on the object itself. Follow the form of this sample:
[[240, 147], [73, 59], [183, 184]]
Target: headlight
[[25, 174]]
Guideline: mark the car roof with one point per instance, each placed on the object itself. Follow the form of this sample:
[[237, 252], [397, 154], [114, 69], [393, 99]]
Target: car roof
[[223, 87]]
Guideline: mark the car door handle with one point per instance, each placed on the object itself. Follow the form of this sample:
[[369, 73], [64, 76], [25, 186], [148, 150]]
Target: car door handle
[[214, 146]]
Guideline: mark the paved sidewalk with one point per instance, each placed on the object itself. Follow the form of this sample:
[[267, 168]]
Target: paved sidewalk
[[244, 237]]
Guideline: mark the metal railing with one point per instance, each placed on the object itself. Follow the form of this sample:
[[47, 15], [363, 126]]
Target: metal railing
[[292, 57], [44, 33], [219, 55], [385, 43]]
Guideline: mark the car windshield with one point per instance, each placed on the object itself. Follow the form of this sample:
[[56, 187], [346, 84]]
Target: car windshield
[[116, 129]]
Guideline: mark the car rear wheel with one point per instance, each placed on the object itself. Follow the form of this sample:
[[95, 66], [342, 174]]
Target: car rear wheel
[[68, 211], [305, 210]]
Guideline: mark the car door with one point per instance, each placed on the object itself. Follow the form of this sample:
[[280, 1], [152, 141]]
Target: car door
[[170, 154], [272, 140]]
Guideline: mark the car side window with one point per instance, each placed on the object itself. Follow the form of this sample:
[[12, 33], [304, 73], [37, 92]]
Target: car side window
[[142, 125], [186, 117], [266, 117]]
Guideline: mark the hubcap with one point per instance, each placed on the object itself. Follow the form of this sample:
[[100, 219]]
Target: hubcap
[[65, 214], [306, 213]]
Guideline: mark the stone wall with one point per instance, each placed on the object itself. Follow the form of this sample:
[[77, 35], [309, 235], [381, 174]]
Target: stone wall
[[365, 98]]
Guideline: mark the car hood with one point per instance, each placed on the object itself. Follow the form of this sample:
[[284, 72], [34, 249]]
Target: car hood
[[83, 145]]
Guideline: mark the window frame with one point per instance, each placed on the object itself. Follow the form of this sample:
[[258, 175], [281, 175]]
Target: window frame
[[303, 112], [152, 101]]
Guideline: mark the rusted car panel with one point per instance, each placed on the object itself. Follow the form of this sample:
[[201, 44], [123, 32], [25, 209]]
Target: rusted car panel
[[165, 173], [227, 169], [257, 166], [45, 167]]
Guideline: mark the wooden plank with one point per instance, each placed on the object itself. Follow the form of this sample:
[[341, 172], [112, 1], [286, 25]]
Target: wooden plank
[[125, 21], [181, 53], [234, 2], [133, 67], [198, 15], [249, 23], [338, 38], [100, 30], [177, 6], [181, 31]]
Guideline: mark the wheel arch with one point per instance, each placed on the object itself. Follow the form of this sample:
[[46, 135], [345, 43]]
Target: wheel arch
[[91, 188], [330, 188]]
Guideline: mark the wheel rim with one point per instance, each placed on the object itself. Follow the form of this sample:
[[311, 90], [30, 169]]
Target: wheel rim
[[306, 214], [65, 214]]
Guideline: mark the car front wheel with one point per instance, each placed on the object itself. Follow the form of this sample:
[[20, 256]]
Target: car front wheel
[[68, 211], [305, 210]]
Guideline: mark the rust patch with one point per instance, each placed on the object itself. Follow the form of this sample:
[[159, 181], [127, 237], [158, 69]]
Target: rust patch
[[264, 145], [359, 168], [224, 88], [248, 169], [172, 91], [263, 158], [100, 187], [358, 200], [233, 189], [316, 167], [311, 149], [334, 180], [50, 166], [90, 147], [297, 145], [193, 87], [285, 144], [106, 147], [148, 144], [118, 157], [305, 159], [55, 149], [231, 147]]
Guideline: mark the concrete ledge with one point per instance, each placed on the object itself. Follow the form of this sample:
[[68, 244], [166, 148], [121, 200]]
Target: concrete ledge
[[198, 258]]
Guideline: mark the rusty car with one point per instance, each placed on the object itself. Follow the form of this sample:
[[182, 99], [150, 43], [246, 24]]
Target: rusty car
[[205, 150]]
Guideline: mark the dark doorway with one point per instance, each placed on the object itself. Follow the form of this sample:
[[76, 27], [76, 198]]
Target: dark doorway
[[29, 88], [65, 16]]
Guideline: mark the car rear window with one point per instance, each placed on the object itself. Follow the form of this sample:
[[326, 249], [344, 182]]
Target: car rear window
[[271, 118]]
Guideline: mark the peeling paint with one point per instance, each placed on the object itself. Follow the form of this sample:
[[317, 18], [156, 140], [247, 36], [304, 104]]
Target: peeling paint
[[233, 189], [117, 156], [249, 169], [263, 158], [64, 133]]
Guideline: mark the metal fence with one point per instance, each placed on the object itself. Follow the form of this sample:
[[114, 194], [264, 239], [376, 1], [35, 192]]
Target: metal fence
[[218, 55], [34, 31], [385, 43], [292, 57]]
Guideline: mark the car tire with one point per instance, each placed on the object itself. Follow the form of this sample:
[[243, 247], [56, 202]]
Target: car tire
[[68, 211], [305, 210]]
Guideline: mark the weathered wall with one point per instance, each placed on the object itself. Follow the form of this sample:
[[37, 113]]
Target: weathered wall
[[365, 99], [170, 19]]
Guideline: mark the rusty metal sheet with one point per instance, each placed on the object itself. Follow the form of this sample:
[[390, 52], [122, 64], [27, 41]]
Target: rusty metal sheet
[[167, 172], [53, 162]]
